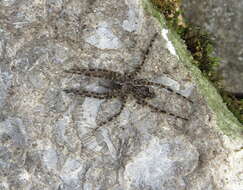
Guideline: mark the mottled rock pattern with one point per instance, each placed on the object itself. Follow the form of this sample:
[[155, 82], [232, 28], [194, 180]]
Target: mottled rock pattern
[[46, 139]]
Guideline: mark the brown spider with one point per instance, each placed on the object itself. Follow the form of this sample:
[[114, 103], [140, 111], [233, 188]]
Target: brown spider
[[122, 85]]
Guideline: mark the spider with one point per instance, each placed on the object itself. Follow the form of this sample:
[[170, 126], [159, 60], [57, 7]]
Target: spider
[[122, 85]]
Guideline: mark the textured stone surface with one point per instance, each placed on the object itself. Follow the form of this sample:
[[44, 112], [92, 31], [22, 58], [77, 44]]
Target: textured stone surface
[[46, 139], [222, 19]]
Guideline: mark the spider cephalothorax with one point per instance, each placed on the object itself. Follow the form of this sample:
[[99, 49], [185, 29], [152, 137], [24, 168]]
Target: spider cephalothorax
[[130, 86], [122, 85]]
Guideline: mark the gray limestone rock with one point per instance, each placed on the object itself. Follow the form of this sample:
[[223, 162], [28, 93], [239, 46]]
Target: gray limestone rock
[[50, 139]]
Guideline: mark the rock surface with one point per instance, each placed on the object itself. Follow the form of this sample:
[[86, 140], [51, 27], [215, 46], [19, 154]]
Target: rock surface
[[47, 137], [222, 19]]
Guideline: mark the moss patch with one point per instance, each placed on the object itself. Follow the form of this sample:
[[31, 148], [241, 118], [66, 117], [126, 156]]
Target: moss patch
[[225, 119], [201, 48]]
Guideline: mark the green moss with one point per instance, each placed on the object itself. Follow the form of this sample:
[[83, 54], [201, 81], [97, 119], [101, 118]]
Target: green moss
[[201, 46], [234, 104], [170, 11]]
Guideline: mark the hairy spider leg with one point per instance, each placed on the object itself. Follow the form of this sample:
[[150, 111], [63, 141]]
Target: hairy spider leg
[[145, 54], [123, 102], [148, 83], [91, 134], [100, 73], [104, 95], [156, 109]]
